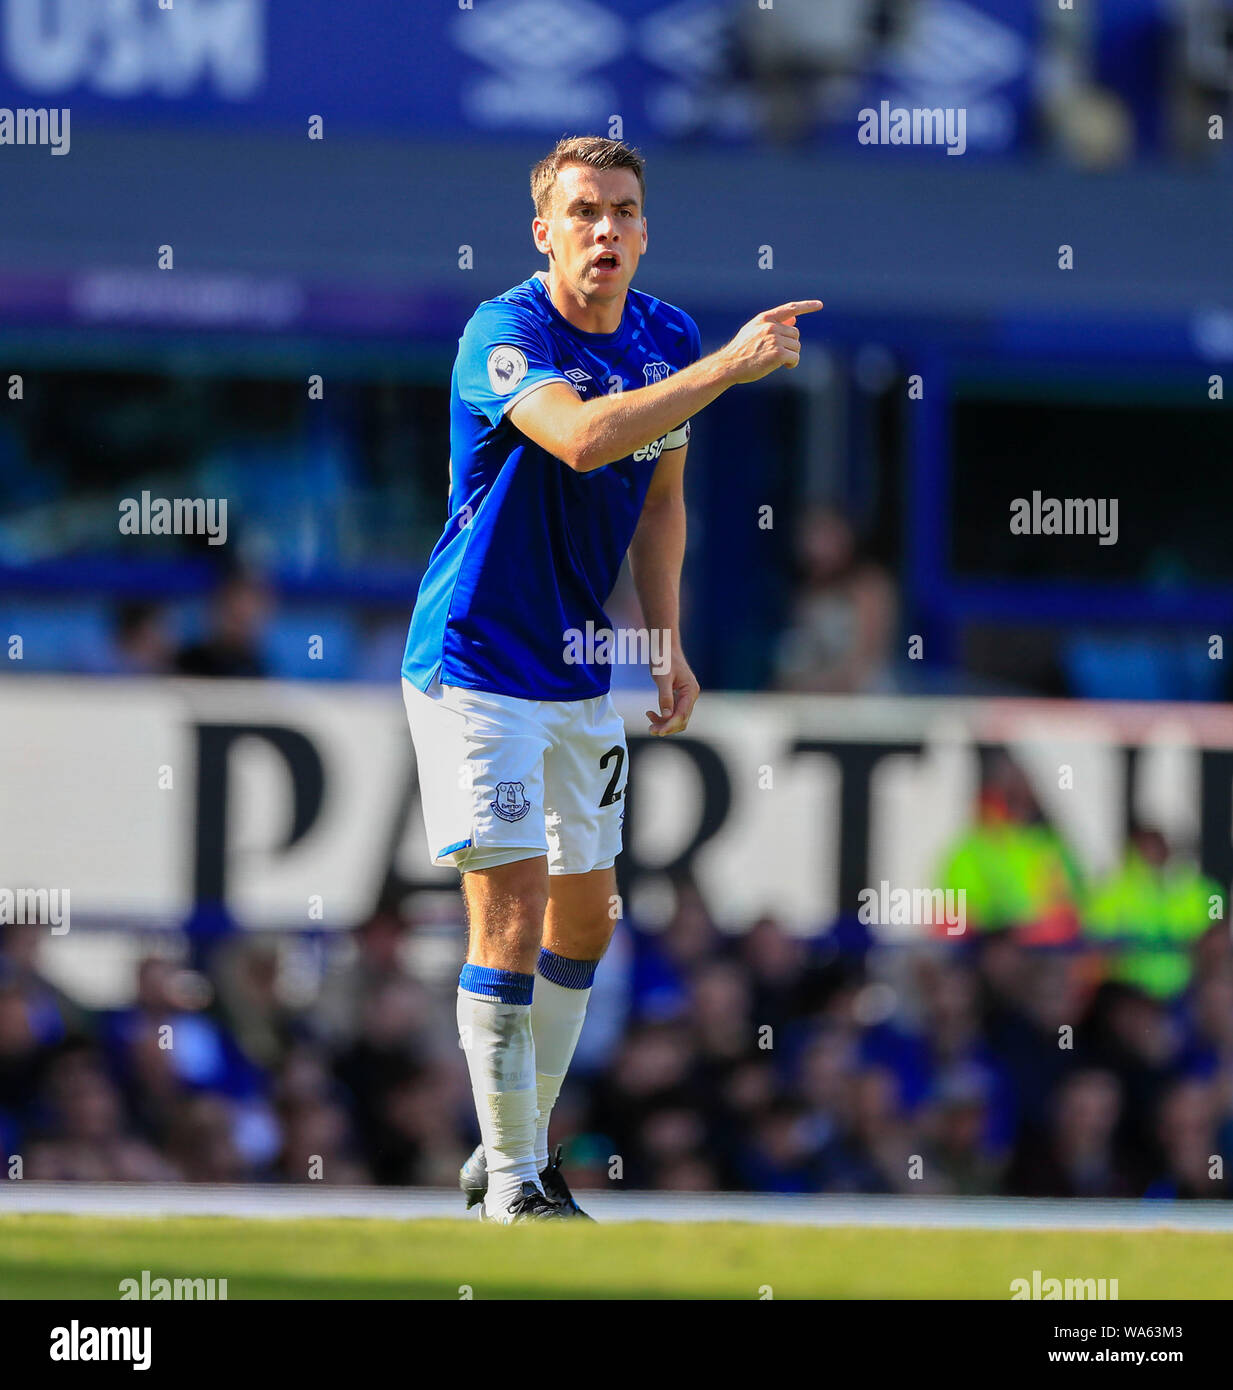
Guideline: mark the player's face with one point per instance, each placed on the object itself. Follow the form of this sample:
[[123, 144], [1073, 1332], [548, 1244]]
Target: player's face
[[595, 232]]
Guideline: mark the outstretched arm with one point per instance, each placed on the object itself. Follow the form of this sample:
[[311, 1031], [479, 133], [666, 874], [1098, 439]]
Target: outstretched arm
[[589, 434]]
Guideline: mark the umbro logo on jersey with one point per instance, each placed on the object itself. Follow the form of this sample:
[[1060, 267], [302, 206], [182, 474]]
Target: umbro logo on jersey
[[510, 802], [576, 377], [506, 368]]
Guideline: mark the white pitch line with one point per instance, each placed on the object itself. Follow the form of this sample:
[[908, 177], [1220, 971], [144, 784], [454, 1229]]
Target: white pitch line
[[279, 1202]]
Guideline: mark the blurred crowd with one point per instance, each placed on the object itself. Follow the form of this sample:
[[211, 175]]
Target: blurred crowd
[[1075, 1040], [1095, 84], [838, 635]]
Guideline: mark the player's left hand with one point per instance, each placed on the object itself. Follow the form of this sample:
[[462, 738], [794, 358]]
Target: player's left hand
[[678, 692]]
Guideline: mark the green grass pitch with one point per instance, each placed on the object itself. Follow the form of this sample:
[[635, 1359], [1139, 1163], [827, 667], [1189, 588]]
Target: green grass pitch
[[87, 1257]]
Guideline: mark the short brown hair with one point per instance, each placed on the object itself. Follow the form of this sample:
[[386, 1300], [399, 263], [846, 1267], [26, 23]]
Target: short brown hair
[[591, 150]]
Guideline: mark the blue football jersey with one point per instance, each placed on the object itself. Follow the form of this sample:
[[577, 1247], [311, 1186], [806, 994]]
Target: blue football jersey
[[532, 549]]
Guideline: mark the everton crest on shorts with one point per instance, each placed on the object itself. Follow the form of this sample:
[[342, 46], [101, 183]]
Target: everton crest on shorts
[[503, 779], [510, 802]]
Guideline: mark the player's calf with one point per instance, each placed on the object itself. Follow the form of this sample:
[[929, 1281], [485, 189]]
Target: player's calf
[[505, 908]]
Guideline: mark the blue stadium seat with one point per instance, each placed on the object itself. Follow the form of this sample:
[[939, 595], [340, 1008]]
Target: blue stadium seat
[[286, 646], [1140, 666], [61, 634]]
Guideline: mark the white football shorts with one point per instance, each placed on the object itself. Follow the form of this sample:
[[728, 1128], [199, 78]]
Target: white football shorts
[[503, 779]]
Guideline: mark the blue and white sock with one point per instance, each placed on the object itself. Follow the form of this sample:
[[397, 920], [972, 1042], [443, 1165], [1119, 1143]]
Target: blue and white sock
[[494, 1030], [562, 990]]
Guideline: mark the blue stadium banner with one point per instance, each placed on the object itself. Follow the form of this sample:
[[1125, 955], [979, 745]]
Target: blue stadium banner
[[665, 68]]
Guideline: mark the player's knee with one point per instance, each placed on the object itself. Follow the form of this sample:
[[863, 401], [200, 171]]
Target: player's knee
[[594, 934], [585, 936], [508, 900]]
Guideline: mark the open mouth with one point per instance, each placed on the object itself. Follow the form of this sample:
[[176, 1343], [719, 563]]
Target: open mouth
[[607, 262]]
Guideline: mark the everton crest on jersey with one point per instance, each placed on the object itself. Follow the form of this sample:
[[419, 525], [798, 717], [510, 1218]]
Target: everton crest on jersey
[[532, 549]]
